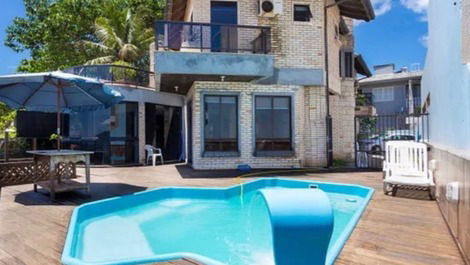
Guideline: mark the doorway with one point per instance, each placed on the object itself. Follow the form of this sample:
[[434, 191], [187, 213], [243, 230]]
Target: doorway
[[224, 35], [163, 129]]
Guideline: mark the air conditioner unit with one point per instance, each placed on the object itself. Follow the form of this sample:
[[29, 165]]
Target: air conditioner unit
[[270, 8]]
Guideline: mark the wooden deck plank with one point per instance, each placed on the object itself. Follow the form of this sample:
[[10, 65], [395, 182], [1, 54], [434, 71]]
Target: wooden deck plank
[[407, 229]]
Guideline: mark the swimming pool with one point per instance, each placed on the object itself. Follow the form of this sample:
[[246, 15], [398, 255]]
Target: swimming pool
[[212, 225]]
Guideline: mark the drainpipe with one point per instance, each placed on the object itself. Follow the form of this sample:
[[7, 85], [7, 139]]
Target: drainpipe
[[329, 129]]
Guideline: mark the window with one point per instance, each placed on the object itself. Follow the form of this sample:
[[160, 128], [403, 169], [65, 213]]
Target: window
[[273, 123], [346, 64], [302, 13], [220, 124], [383, 94]]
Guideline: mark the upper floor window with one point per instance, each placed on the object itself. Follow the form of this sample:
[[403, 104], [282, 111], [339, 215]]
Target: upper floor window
[[346, 63], [302, 13], [220, 123], [273, 123], [383, 94]]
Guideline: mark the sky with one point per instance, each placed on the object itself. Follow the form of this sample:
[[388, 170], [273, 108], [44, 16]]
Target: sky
[[397, 35], [9, 60]]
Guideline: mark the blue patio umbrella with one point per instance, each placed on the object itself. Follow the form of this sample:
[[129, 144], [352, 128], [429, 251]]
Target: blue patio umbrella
[[56, 92]]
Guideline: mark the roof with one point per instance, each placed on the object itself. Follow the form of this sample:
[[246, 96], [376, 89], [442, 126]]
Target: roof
[[392, 77], [361, 66], [357, 9]]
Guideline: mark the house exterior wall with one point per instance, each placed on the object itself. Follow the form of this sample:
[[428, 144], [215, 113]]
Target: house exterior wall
[[342, 101], [397, 105], [308, 121], [342, 109], [465, 33], [447, 81], [294, 44], [299, 54]]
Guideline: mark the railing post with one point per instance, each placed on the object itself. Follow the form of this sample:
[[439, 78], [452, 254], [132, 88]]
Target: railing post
[[156, 35], [201, 35]]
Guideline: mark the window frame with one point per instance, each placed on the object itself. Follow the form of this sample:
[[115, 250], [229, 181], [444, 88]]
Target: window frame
[[275, 153], [342, 63], [205, 153], [387, 94], [309, 14]]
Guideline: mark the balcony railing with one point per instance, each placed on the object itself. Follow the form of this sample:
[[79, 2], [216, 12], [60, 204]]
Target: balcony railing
[[208, 37], [413, 105], [115, 74]]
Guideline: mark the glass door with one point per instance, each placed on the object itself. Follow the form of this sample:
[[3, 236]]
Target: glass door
[[123, 133], [224, 38]]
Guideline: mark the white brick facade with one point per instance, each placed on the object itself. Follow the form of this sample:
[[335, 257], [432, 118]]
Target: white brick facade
[[309, 107], [294, 45]]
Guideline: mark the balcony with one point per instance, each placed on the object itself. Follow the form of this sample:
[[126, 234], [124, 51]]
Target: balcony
[[186, 52], [206, 37], [115, 74]]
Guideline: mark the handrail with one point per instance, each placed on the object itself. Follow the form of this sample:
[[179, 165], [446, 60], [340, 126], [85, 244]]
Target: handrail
[[212, 37], [114, 74], [211, 24]]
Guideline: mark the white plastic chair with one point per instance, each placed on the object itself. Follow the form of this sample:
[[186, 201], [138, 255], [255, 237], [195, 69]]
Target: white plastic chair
[[406, 166], [153, 153]]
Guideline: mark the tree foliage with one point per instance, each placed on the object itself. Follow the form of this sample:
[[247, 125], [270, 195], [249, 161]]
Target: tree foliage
[[123, 37], [52, 30], [7, 118]]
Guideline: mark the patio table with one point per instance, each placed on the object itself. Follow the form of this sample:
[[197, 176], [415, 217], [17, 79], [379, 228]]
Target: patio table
[[55, 183]]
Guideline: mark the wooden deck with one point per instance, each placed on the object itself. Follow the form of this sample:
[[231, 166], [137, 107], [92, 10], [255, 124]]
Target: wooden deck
[[407, 229]]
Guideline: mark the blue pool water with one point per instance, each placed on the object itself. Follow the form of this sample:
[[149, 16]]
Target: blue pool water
[[215, 226]]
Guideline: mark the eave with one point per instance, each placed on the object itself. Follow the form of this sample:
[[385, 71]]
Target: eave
[[361, 66], [357, 9]]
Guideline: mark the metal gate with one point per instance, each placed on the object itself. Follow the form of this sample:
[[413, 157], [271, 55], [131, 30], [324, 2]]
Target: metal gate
[[372, 132]]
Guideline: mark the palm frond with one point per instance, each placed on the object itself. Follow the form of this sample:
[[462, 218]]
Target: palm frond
[[106, 33], [94, 45], [129, 53]]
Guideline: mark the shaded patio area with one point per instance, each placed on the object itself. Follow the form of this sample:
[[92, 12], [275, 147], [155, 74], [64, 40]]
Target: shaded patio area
[[407, 229]]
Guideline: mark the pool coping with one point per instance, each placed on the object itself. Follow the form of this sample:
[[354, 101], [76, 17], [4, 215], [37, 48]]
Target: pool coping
[[332, 254]]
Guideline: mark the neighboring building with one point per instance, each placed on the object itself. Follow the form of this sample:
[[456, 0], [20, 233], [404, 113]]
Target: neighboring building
[[255, 76], [446, 97], [393, 92]]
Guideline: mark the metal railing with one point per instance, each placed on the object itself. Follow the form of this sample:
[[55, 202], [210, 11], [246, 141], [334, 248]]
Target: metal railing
[[211, 37], [372, 133], [115, 74], [413, 105]]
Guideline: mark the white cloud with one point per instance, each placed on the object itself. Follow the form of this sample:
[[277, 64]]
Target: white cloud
[[380, 7], [418, 6], [424, 40]]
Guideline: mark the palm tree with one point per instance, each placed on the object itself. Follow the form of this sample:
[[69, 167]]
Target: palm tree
[[121, 36]]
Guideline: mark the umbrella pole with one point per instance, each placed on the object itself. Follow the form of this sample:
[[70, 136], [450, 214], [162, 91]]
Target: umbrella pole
[[58, 117]]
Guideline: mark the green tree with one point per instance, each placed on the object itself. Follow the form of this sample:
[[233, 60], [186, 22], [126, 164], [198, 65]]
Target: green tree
[[48, 30], [7, 118], [53, 30], [122, 35]]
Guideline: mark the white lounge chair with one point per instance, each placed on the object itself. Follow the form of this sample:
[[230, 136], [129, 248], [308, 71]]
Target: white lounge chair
[[406, 166], [153, 153]]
